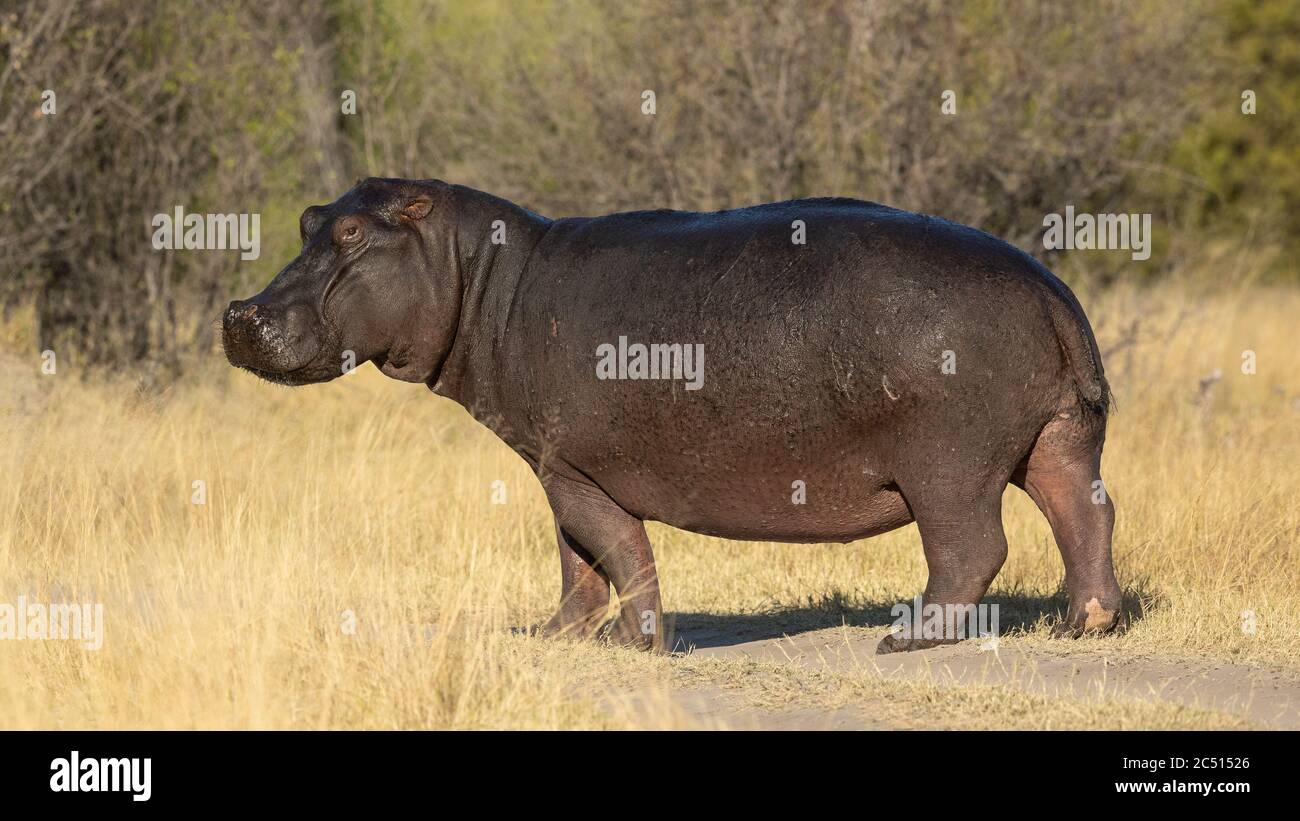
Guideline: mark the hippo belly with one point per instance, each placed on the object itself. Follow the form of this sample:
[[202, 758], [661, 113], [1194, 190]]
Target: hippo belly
[[833, 498]]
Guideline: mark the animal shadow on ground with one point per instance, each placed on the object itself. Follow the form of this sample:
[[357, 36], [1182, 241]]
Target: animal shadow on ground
[[1017, 613]]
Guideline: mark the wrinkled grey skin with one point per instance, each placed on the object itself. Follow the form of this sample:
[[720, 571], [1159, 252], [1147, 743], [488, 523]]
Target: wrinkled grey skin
[[823, 365]]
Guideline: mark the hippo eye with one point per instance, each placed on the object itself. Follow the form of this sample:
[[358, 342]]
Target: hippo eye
[[348, 231]]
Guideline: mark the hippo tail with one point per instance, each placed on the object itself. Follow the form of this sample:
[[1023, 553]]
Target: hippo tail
[[1080, 348]]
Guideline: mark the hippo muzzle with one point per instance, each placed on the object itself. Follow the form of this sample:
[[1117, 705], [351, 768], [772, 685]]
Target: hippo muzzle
[[275, 342]]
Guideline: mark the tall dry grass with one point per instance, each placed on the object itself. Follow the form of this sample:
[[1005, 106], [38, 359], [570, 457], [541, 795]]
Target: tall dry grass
[[349, 567]]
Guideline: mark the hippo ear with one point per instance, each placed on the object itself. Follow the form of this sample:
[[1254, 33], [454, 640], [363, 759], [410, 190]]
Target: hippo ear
[[417, 208]]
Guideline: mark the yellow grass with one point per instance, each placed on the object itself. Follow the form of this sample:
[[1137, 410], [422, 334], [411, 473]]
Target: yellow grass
[[349, 568]]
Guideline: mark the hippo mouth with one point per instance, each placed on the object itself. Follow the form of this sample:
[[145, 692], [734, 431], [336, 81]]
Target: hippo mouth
[[313, 371], [310, 372], [291, 378]]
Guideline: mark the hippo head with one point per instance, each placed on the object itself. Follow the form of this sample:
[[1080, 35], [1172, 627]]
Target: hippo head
[[377, 281]]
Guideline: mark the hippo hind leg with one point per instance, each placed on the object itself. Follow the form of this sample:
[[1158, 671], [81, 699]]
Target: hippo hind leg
[[1062, 474], [602, 544], [965, 546]]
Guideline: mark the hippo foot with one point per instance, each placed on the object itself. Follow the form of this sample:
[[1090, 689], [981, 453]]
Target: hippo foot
[[562, 626], [1094, 620], [625, 632], [893, 643]]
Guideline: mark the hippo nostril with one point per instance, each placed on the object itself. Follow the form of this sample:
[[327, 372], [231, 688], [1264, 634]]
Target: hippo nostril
[[249, 311]]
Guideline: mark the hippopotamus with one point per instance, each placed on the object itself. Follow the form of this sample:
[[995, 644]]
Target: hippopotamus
[[810, 371]]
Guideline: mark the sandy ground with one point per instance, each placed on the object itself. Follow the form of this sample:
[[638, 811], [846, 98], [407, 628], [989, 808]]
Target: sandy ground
[[1266, 698]]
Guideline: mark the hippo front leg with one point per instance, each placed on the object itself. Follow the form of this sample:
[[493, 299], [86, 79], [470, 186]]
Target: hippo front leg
[[601, 541], [584, 591]]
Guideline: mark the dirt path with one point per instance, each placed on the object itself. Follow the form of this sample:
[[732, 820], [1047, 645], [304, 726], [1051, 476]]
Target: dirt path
[[1265, 698]]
